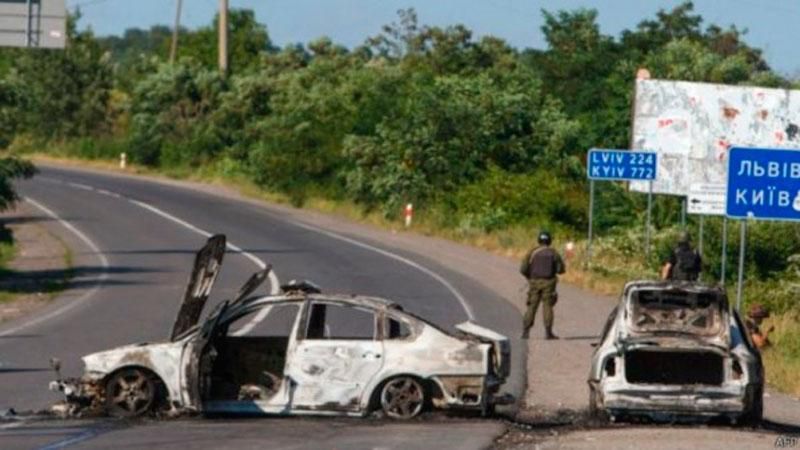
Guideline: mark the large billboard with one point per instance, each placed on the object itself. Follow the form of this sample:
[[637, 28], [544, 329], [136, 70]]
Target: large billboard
[[33, 23], [693, 125]]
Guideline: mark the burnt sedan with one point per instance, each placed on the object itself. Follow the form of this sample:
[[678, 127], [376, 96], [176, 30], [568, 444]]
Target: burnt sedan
[[297, 352], [675, 349]]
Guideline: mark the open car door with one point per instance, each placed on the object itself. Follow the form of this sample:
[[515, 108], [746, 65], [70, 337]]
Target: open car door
[[207, 264]]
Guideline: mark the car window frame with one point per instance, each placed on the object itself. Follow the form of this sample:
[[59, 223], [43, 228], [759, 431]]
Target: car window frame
[[302, 331]]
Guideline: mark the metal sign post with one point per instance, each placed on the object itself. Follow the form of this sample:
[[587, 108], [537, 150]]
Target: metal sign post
[[647, 225], [33, 23], [618, 165], [724, 251], [700, 237], [683, 214], [591, 216], [28, 25], [762, 184], [740, 279]]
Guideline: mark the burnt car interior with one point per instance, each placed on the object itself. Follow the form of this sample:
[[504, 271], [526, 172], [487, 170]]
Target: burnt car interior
[[248, 354], [334, 321], [671, 311], [667, 310]]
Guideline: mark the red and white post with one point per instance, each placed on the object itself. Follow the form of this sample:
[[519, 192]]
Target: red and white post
[[408, 213]]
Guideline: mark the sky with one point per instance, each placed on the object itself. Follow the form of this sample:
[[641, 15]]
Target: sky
[[771, 24]]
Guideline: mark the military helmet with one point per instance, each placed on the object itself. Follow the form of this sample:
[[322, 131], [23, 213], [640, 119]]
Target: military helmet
[[684, 237], [545, 238]]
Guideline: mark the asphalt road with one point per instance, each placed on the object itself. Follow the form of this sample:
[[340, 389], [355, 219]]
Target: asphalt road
[[130, 265]]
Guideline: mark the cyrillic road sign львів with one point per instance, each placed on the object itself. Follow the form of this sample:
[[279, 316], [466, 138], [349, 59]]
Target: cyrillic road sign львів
[[621, 165], [763, 183]]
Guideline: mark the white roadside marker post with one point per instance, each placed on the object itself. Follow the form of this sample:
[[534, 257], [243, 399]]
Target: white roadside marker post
[[408, 213], [123, 160]]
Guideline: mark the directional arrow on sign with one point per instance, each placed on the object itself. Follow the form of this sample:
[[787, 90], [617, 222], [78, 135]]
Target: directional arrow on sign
[[706, 199]]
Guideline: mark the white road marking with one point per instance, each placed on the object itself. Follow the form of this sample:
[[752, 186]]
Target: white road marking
[[275, 285], [109, 193], [71, 304], [85, 187], [259, 317], [273, 279], [11, 425], [404, 260]]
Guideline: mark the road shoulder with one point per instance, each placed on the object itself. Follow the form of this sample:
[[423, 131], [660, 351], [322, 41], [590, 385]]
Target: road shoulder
[[40, 269]]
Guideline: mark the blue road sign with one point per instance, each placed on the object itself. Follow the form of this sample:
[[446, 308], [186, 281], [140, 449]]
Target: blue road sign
[[621, 165], [763, 183]]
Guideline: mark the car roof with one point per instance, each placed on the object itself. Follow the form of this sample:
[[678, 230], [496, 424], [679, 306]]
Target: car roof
[[351, 299]]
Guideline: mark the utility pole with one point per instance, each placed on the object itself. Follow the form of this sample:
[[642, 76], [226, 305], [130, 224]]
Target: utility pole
[[223, 36], [173, 50]]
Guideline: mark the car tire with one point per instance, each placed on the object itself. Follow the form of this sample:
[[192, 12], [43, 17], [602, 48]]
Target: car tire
[[403, 397], [755, 407], [131, 392]]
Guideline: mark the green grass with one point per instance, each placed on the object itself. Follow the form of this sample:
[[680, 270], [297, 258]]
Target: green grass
[[8, 251], [49, 288]]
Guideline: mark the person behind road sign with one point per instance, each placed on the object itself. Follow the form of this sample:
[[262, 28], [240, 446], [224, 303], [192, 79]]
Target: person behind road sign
[[541, 268], [755, 316], [684, 263]]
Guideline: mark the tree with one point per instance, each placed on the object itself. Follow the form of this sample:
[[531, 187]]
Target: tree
[[11, 169], [63, 93], [247, 43]]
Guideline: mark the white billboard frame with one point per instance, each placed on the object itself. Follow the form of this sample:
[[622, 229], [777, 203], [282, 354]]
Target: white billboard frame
[[693, 125]]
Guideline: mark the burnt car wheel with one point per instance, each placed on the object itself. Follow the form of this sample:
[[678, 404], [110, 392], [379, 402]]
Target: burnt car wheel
[[130, 393], [403, 398]]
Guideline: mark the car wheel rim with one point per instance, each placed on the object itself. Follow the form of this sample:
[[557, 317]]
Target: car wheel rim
[[402, 398], [131, 392]]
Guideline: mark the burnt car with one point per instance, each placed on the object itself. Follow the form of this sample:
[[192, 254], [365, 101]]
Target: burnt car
[[674, 350], [297, 352]]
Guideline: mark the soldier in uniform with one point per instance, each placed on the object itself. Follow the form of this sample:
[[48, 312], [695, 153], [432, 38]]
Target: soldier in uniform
[[541, 268], [684, 263]]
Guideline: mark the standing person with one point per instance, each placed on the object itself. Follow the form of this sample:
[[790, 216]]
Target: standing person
[[684, 263], [541, 268]]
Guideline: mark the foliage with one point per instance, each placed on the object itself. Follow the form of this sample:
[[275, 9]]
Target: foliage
[[58, 94], [11, 169], [482, 137], [170, 108], [248, 40], [448, 130]]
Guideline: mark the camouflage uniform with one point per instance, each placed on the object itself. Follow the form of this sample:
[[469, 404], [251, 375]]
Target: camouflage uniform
[[541, 267]]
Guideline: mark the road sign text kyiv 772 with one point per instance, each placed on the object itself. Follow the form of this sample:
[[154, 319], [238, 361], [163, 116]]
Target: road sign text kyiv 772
[[763, 183], [621, 165]]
